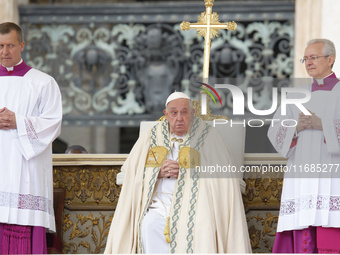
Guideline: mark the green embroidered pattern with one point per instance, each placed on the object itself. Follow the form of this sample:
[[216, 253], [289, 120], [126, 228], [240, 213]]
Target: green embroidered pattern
[[177, 207], [139, 223], [191, 224], [165, 133], [205, 132], [155, 171], [194, 194], [153, 137], [192, 132], [179, 194]]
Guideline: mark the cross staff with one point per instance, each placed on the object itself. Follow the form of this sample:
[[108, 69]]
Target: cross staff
[[208, 26]]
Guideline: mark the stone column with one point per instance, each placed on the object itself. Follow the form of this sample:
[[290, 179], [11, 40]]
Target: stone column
[[99, 139], [9, 11], [330, 27], [308, 19], [77, 135], [315, 19]]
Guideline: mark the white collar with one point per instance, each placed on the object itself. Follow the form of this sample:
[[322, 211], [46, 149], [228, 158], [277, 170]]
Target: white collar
[[320, 81], [12, 67]]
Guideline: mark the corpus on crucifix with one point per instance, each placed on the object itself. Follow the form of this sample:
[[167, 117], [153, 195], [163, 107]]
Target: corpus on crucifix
[[208, 25]]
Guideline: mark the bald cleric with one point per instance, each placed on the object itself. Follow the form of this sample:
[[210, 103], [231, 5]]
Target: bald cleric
[[166, 208]]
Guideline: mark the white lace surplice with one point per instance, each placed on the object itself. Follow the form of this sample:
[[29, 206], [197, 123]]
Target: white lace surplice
[[310, 201], [26, 183]]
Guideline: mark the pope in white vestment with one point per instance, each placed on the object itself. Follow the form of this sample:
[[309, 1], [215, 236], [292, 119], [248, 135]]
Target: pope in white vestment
[[185, 213]]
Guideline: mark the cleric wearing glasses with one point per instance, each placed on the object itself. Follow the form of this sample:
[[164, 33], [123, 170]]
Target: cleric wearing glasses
[[309, 220]]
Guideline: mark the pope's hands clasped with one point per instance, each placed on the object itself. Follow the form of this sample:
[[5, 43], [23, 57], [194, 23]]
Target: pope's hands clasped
[[169, 168]]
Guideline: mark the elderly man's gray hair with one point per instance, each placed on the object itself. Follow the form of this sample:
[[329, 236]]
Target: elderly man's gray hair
[[328, 49]]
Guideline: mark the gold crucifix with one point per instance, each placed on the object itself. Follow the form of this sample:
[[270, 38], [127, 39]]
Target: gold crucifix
[[208, 26]]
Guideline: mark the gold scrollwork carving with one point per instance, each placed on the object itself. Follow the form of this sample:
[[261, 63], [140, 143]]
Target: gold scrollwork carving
[[254, 235], [70, 248], [88, 186], [263, 190], [111, 190], [92, 231], [268, 229], [83, 188]]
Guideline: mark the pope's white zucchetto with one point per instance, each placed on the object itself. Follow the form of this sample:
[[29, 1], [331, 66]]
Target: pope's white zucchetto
[[176, 95]]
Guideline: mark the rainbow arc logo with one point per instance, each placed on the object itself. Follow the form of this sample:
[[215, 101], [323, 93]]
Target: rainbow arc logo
[[209, 93], [204, 97]]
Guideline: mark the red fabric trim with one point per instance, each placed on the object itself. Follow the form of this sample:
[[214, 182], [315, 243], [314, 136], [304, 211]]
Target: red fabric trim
[[294, 142]]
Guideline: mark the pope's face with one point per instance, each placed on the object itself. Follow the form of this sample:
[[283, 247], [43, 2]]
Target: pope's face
[[322, 66], [10, 49], [179, 115]]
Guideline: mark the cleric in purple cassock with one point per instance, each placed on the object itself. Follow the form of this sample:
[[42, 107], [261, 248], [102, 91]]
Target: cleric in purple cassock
[[309, 220], [30, 119]]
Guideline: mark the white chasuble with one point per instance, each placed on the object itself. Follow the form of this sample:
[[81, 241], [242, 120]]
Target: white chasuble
[[311, 190], [206, 215], [26, 183]]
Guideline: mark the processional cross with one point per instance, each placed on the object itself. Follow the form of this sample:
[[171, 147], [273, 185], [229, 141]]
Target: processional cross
[[208, 25]]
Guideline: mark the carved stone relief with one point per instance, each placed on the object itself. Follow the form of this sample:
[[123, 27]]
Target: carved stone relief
[[112, 67]]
